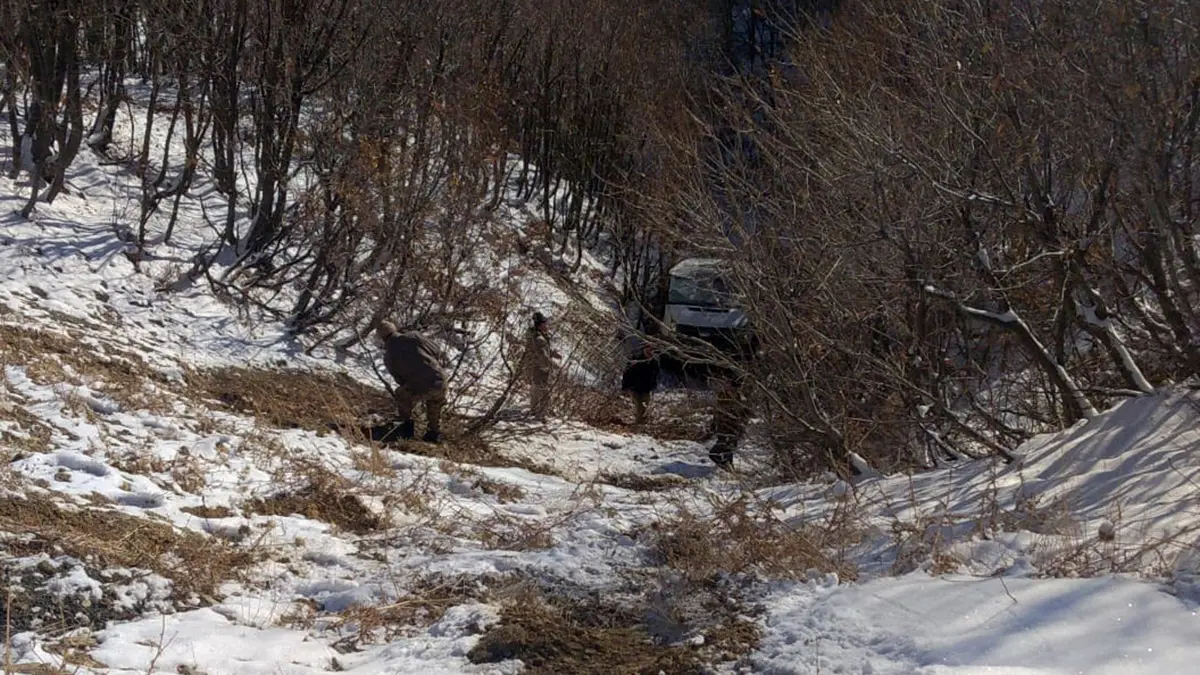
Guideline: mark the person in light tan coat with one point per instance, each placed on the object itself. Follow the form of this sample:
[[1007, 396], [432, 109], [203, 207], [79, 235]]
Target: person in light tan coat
[[537, 365]]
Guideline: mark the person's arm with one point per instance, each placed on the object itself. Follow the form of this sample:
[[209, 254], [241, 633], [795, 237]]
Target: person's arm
[[549, 346]]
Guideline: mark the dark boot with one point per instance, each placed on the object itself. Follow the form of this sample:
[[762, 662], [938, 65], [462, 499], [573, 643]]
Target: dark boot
[[432, 436], [721, 453], [407, 430]]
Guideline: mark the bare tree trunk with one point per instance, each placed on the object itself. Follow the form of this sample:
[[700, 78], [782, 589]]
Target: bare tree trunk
[[70, 133]]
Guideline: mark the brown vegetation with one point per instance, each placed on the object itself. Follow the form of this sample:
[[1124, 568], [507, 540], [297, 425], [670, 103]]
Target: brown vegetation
[[290, 399], [958, 222], [559, 634], [195, 564], [738, 537], [324, 497], [52, 357]]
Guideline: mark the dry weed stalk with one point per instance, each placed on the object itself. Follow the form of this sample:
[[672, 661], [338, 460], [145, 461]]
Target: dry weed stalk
[[740, 536]]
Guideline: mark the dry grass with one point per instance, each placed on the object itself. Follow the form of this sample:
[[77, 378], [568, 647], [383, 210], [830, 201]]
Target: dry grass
[[738, 539], [669, 418], [642, 482], [559, 634], [292, 399], [31, 435], [421, 604], [323, 402], [195, 564], [73, 651], [323, 496], [505, 533], [209, 511], [53, 357], [39, 669], [478, 482]]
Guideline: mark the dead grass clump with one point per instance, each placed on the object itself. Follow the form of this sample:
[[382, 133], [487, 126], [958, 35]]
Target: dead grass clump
[[735, 540], [208, 511], [372, 461], [325, 497], [39, 669], [467, 450], [27, 433], [291, 398], [505, 533], [73, 650], [194, 563], [642, 482], [478, 482], [420, 605], [559, 634]]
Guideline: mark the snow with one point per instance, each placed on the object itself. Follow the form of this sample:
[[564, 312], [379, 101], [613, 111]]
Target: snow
[[186, 641], [923, 625], [1080, 557]]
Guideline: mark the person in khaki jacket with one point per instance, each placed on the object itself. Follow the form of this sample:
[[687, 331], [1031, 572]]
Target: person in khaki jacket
[[537, 364], [417, 366]]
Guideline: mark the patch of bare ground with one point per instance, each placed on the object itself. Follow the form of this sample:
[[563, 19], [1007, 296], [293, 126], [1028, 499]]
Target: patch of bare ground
[[561, 633], [195, 564], [321, 496], [291, 398]]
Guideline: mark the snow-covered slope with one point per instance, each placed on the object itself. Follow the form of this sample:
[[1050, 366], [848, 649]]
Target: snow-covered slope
[[153, 519]]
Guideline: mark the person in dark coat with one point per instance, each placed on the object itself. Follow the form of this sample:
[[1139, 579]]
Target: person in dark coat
[[640, 379], [730, 415], [417, 366]]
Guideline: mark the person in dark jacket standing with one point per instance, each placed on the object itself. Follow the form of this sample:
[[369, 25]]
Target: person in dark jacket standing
[[417, 366], [640, 379], [729, 418]]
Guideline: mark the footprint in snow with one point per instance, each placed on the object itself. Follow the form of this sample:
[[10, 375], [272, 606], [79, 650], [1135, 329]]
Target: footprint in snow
[[78, 462], [142, 500]]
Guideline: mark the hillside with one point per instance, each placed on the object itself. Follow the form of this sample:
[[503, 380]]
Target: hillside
[[187, 490]]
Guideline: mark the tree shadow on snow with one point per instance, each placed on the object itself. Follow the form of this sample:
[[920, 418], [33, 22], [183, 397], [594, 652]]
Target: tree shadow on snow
[[686, 469]]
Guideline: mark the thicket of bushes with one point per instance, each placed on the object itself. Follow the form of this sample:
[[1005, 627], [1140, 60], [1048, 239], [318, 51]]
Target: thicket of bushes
[[959, 222]]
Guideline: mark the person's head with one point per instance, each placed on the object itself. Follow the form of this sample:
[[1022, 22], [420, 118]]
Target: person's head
[[384, 330], [647, 350]]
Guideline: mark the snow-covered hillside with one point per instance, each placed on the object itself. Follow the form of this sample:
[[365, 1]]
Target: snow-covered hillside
[[171, 503]]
